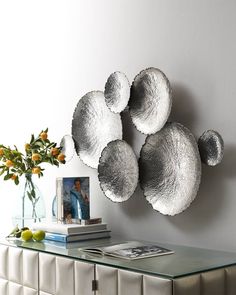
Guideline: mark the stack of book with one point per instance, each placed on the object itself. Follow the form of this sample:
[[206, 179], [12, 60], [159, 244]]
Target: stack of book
[[67, 233]]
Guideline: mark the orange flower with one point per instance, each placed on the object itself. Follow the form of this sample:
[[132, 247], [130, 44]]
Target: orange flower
[[54, 151], [36, 157], [36, 170], [43, 135], [61, 157], [1, 151], [14, 176], [9, 163]]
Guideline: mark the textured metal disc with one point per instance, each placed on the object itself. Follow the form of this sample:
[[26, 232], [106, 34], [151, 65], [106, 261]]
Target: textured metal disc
[[211, 147], [93, 126], [170, 169], [117, 92], [150, 101], [118, 171], [68, 147]]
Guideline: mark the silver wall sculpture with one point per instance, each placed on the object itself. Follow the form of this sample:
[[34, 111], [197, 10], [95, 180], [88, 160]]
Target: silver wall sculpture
[[93, 126], [169, 165], [150, 102], [170, 169], [211, 147], [118, 171], [117, 92]]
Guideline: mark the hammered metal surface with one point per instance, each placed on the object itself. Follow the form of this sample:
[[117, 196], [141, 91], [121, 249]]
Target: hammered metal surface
[[68, 147], [118, 171], [150, 101], [170, 169], [117, 92], [93, 126], [211, 147]]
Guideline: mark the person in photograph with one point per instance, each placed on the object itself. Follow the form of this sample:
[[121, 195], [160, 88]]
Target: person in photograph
[[79, 199]]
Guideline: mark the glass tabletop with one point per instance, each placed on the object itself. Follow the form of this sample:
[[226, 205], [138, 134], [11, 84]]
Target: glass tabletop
[[185, 260]]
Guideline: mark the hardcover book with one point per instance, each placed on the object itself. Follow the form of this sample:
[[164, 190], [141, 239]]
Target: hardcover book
[[78, 237], [68, 229], [73, 199], [130, 250]]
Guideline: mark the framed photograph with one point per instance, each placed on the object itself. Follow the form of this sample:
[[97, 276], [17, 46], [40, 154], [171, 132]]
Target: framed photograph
[[73, 199]]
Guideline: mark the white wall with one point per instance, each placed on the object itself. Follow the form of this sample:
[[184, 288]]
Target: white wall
[[53, 52]]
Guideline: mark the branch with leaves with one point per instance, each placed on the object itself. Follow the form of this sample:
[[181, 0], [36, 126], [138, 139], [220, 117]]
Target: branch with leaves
[[14, 164]]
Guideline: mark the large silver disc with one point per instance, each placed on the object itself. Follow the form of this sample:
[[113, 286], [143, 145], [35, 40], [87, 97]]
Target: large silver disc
[[170, 169], [150, 102], [118, 171], [93, 126]]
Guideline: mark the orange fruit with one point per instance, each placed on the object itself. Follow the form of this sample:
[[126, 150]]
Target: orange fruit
[[61, 157], [43, 135], [14, 176], [36, 157], [54, 151], [1, 151], [27, 146], [9, 163], [36, 170]]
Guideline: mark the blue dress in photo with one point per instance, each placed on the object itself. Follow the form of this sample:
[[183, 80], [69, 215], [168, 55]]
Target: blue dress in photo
[[77, 199]]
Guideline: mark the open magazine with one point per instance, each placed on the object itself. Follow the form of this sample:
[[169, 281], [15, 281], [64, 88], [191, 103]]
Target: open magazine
[[130, 250]]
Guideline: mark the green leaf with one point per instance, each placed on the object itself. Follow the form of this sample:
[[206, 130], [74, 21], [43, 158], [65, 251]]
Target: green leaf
[[17, 181], [33, 193], [29, 196], [1, 173], [8, 176], [32, 139], [50, 145]]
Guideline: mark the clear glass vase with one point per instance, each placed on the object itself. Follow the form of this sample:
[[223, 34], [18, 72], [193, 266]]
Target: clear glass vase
[[30, 205]]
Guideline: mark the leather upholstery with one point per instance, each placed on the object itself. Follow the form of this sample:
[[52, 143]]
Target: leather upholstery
[[26, 272], [64, 276], [18, 271], [216, 282], [112, 281]]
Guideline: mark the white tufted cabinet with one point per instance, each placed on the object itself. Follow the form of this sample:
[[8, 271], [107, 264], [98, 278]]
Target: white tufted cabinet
[[43, 271], [18, 271]]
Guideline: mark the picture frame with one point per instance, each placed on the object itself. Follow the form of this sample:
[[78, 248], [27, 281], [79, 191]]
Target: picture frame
[[73, 199]]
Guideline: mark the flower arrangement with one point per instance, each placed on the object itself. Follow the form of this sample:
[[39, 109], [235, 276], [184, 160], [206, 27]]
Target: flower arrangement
[[40, 149], [14, 164]]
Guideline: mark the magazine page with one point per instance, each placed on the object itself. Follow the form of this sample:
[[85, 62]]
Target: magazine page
[[131, 250], [103, 249]]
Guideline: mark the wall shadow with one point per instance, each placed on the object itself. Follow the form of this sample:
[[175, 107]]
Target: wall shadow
[[128, 127], [136, 206], [183, 107]]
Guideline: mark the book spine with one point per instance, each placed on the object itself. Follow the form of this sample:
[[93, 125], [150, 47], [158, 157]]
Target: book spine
[[56, 238], [91, 221]]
